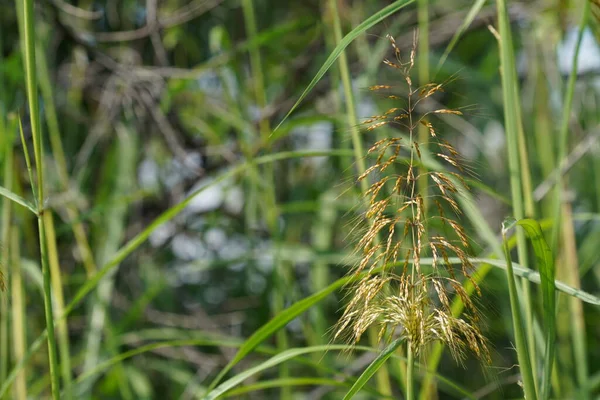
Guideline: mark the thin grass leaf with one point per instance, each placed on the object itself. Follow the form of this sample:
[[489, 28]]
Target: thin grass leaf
[[345, 42], [519, 331], [547, 271], [475, 8], [287, 382], [271, 362], [373, 367], [138, 240], [17, 199], [140, 350], [276, 323]]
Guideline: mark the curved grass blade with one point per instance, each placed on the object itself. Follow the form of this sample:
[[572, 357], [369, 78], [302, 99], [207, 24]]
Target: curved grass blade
[[353, 34], [271, 362], [372, 368], [547, 271], [475, 8], [278, 383], [144, 349], [17, 199], [278, 321], [528, 274]]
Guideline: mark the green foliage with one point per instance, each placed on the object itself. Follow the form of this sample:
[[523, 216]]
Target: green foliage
[[181, 203]]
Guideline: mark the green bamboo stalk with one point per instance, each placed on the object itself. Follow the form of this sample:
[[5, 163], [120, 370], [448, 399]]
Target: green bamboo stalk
[[32, 95], [520, 339]]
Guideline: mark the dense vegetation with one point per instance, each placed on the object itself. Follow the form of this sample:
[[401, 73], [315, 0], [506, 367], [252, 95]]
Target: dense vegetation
[[314, 199]]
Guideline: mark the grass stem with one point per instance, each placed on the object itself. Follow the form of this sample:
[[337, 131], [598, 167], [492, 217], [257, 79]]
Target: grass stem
[[32, 96]]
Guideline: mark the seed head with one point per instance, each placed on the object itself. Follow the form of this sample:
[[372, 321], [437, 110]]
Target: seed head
[[413, 302]]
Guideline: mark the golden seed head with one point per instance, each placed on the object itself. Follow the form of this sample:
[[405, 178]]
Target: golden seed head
[[414, 303]]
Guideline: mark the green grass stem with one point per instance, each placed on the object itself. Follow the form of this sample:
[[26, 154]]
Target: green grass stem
[[32, 97]]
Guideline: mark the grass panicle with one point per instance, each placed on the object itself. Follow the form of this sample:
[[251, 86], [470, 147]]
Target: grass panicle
[[413, 303]]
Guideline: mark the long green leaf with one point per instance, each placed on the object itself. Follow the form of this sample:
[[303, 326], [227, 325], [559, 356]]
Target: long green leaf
[[545, 262], [372, 368], [519, 332], [281, 357], [278, 321], [353, 34], [17, 199], [303, 381], [300, 307], [475, 8], [275, 383]]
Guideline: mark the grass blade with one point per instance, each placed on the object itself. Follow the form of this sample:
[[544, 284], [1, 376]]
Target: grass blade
[[278, 322], [547, 274], [373, 368], [279, 358], [475, 8], [353, 34], [17, 199], [520, 339]]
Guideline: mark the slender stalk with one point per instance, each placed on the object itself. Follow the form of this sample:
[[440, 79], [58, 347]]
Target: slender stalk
[[59, 305], [423, 70], [32, 95], [383, 379], [515, 153], [564, 127], [4, 260], [18, 314], [410, 368], [576, 314], [520, 340], [351, 117]]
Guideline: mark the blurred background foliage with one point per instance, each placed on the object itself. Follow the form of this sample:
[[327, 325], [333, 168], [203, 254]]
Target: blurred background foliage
[[145, 102]]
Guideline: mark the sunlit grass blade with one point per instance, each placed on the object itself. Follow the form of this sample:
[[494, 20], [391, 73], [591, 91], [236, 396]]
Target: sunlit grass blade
[[353, 34], [372, 368]]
